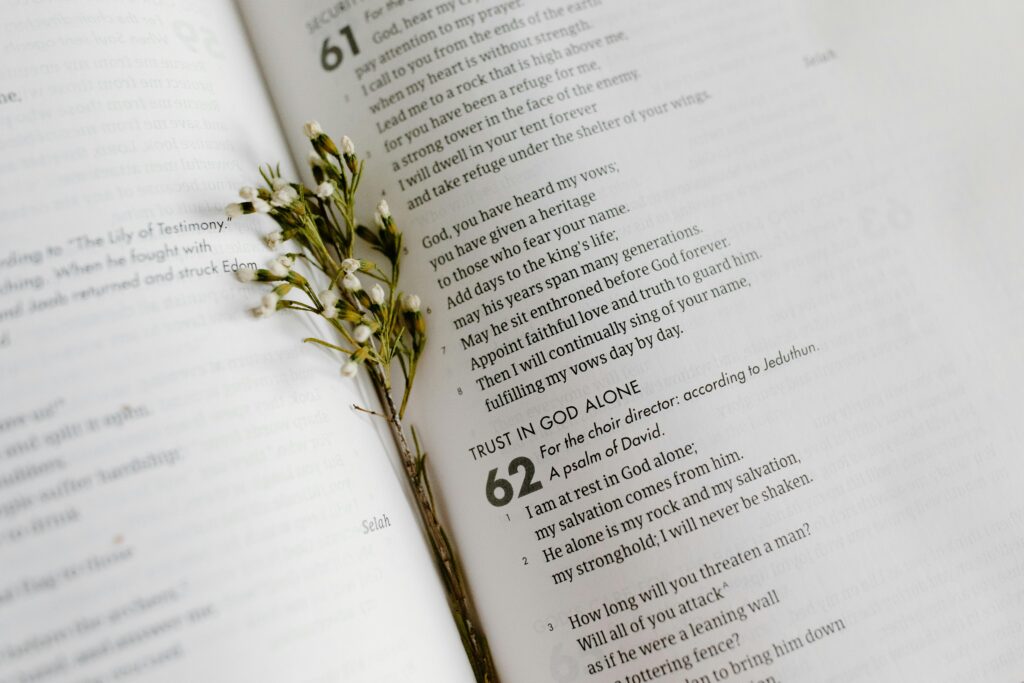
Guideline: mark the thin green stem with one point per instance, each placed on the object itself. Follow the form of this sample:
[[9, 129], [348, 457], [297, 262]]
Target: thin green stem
[[411, 377], [298, 306], [321, 342]]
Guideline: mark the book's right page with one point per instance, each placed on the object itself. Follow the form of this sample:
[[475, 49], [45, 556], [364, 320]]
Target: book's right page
[[725, 373]]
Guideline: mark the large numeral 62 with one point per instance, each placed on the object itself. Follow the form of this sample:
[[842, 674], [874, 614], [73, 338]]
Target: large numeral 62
[[500, 491]]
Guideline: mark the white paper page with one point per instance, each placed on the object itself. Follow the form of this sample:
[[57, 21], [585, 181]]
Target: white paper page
[[185, 492], [812, 351]]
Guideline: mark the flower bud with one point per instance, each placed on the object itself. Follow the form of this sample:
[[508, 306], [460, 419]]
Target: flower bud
[[383, 210], [329, 298], [248, 193], [284, 196], [350, 265], [361, 333], [347, 148], [377, 294], [351, 283], [349, 369], [410, 303], [268, 304], [279, 183], [260, 205], [315, 161], [246, 274], [273, 239], [233, 210], [277, 269], [325, 189], [312, 129]]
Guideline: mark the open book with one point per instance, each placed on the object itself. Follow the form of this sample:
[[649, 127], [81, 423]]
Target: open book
[[725, 370]]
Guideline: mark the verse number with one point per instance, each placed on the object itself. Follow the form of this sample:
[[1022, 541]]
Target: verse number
[[500, 491], [331, 56]]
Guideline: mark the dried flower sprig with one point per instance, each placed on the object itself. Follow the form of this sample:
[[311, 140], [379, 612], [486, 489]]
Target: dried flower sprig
[[321, 274], [374, 327]]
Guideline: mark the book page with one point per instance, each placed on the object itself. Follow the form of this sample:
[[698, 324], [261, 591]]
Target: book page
[[724, 305], [185, 492]]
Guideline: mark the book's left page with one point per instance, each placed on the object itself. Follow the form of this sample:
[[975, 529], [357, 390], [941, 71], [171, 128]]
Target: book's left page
[[185, 492]]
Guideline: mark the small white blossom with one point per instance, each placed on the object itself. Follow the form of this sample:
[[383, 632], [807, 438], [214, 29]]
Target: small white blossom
[[233, 210], [329, 298], [268, 304], [277, 269], [378, 221], [383, 210], [351, 283], [273, 239], [350, 265], [346, 145], [349, 369], [248, 193], [312, 129], [325, 189], [260, 205], [286, 260], [315, 160], [283, 197], [245, 274], [411, 303], [279, 183], [361, 334], [377, 294]]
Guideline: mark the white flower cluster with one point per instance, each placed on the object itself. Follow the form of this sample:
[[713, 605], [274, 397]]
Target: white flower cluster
[[280, 200]]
